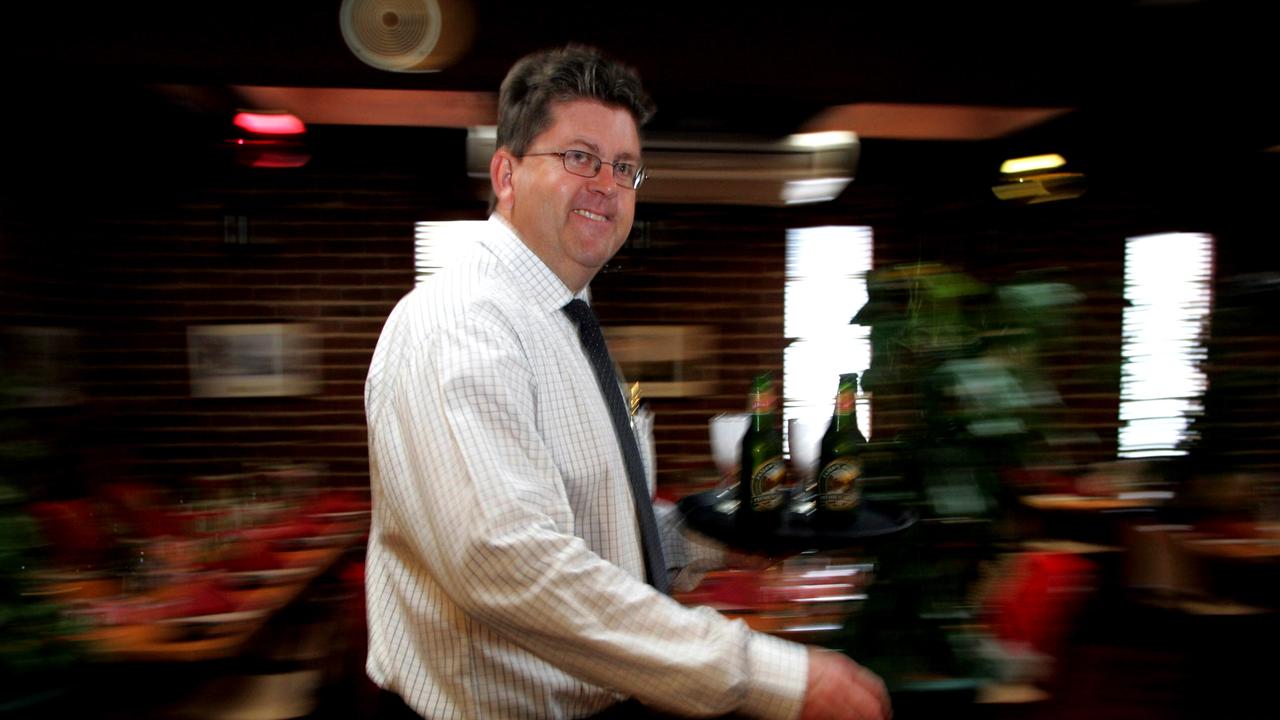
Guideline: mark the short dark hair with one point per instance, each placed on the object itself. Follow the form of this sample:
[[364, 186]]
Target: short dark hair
[[574, 72]]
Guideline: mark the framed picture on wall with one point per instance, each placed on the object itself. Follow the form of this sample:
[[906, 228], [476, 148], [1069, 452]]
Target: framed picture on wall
[[39, 366], [253, 359], [667, 360]]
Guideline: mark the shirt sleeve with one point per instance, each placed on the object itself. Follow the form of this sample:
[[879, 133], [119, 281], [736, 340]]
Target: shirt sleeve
[[480, 499]]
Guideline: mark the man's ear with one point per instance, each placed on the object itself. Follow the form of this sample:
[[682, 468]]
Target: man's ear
[[501, 166]]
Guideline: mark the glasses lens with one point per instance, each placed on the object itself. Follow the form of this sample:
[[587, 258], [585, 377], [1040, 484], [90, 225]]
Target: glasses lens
[[625, 174], [581, 163]]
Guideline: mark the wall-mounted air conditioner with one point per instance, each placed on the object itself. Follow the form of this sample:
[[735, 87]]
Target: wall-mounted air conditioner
[[802, 168]]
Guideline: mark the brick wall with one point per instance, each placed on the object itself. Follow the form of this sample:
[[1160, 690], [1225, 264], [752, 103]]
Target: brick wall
[[134, 259]]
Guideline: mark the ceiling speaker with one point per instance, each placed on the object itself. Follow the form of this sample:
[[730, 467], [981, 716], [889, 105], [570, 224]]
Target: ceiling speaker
[[407, 35]]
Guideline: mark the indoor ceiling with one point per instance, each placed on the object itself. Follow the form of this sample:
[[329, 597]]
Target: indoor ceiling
[[1168, 75]]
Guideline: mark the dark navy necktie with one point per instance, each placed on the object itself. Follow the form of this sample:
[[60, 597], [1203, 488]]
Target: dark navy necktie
[[593, 344]]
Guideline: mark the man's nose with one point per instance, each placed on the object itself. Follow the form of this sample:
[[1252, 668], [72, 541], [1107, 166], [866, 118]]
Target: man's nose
[[604, 181]]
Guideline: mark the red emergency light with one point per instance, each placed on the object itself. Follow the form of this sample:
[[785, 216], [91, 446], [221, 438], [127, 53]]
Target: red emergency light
[[269, 123], [269, 139]]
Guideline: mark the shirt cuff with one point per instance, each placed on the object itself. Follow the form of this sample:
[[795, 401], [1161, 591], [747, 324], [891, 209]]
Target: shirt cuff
[[779, 674]]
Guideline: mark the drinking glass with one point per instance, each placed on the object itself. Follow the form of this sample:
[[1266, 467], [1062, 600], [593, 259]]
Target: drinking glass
[[805, 437], [727, 430]]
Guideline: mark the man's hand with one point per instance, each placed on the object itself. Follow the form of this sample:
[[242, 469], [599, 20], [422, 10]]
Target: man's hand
[[841, 689]]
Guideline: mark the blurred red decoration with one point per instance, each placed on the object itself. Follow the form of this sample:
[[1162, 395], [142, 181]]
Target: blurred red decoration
[[1040, 599], [73, 531]]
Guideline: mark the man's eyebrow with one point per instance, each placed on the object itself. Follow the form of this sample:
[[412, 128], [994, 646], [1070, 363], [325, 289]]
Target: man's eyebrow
[[587, 144], [593, 148]]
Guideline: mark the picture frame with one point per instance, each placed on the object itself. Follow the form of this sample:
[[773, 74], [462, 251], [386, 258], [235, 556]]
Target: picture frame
[[40, 366], [253, 360], [667, 360]]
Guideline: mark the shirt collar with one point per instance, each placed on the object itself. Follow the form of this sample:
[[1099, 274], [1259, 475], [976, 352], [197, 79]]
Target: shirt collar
[[541, 286]]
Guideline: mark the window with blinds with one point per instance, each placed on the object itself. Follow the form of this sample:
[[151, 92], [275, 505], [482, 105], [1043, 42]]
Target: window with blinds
[[825, 286], [1167, 286], [436, 244]]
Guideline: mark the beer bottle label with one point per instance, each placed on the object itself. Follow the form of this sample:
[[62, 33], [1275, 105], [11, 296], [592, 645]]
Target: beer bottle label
[[766, 484], [838, 483], [846, 402]]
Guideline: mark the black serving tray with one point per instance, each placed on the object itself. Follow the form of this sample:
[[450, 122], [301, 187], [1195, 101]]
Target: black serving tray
[[706, 513]]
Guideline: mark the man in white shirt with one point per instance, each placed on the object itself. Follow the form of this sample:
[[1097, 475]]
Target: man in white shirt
[[506, 566]]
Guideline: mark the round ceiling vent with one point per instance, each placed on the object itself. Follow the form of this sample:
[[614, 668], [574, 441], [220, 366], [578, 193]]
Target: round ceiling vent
[[407, 35]]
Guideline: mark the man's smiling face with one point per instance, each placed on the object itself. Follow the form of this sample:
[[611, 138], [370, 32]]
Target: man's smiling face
[[574, 224]]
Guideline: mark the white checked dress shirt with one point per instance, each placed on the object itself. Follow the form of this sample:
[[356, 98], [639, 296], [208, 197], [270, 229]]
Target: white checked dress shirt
[[504, 575]]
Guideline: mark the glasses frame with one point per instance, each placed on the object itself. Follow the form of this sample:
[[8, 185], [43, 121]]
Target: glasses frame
[[597, 164]]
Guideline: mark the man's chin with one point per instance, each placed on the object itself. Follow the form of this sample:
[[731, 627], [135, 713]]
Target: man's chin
[[595, 251]]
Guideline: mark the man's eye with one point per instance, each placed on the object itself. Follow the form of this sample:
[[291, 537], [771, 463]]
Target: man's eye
[[577, 157], [624, 169]]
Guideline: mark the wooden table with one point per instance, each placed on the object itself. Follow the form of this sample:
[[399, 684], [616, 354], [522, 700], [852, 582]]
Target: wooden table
[[1261, 548], [172, 640], [1093, 523], [1236, 548], [1094, 503]]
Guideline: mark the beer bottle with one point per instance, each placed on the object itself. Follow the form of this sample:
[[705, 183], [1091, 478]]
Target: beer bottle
[[762, 478], [840, 459]]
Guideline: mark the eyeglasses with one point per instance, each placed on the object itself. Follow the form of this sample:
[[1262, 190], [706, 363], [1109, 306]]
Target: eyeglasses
[[584, 164]]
